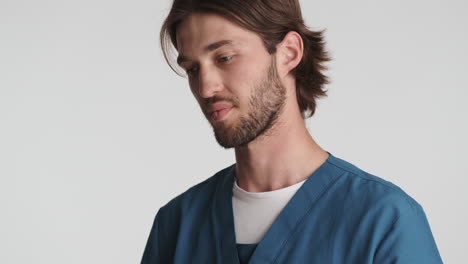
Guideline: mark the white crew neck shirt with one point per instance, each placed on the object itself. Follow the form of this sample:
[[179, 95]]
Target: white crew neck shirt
[[255, 212]]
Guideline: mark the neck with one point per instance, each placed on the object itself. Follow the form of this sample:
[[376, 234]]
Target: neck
[[285, 155]]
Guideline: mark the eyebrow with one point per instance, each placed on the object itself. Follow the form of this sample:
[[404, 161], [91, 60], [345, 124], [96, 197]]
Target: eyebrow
[[211, 47]]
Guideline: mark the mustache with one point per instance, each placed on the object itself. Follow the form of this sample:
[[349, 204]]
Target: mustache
[[216, 99]]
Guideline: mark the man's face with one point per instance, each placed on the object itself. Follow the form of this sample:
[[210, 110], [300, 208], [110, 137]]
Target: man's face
[[232, 76]]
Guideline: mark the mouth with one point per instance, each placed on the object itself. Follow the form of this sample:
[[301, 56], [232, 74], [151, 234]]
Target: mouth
[[220, 114]]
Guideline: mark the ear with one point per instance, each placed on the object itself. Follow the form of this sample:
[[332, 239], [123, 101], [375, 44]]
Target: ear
[[289, 53]]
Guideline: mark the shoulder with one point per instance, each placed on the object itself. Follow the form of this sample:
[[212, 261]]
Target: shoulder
[[389, 219], [198, 195], [372, 191]]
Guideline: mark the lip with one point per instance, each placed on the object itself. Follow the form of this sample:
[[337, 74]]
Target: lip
[[218, 107], [220, 114]]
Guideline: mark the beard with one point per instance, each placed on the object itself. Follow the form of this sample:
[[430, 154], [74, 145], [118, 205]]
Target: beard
[[266, 102]]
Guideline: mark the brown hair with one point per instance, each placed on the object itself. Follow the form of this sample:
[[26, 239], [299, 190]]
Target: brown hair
[[271, 20]]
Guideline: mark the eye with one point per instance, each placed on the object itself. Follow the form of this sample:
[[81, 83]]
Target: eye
[[191, 71], [225, 59]]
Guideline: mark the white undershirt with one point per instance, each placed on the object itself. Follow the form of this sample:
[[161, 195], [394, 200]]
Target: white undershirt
[[255, 212]]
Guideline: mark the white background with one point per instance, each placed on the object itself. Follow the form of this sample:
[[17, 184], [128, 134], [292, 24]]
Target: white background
[[97, 133]]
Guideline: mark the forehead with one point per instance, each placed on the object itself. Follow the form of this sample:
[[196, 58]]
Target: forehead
[[200, 30]]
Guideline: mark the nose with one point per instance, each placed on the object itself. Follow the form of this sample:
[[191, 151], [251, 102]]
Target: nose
[[209, 82]]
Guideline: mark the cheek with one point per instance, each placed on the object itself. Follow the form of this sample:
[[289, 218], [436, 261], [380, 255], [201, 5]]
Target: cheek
[[244, 72], [244, 78], [247, 69], [194, 89]]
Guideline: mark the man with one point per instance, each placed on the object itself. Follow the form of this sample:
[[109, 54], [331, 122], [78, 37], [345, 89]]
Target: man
[[255, 69]]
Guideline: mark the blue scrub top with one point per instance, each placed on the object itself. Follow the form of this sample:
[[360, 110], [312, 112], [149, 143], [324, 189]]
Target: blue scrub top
[[341, 214]]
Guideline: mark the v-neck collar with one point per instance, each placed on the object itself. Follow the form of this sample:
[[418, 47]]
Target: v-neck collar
[[284, 226]]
